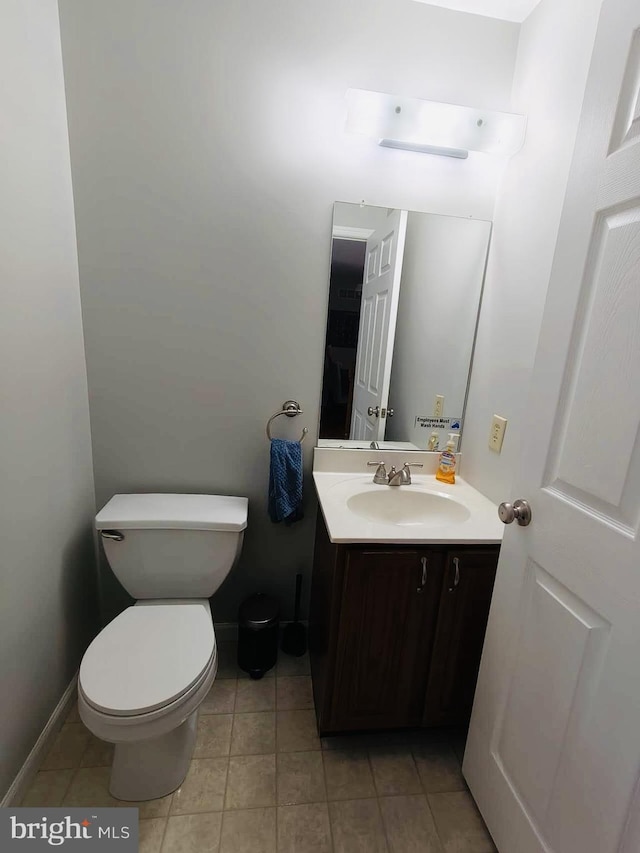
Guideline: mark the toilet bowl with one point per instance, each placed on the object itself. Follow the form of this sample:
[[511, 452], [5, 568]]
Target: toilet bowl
[[145, 675]]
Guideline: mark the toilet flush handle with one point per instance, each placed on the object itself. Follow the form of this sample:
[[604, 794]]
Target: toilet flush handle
[[112, 534]]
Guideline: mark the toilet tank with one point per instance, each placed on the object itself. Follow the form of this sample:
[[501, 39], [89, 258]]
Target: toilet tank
[[172, 546]]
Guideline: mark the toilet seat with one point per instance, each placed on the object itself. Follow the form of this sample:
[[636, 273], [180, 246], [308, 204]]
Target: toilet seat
[[150, 656], [121, 729]]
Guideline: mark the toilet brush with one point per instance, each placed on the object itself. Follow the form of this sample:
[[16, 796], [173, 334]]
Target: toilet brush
[[294, 636]]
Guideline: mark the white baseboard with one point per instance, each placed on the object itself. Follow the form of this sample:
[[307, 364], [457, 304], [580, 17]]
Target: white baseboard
[[227, 632], [27, 772]]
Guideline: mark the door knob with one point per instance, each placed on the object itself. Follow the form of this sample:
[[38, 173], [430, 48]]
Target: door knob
[[519, 511], [372, 411]]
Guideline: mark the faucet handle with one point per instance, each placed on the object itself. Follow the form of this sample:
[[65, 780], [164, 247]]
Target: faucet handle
[[396, 478], [406, 471], [381, 477]]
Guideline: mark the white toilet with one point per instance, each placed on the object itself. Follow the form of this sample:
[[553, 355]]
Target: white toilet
[[144, 676]]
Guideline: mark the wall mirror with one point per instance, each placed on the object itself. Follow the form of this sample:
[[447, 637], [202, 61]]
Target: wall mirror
[[404, 297]]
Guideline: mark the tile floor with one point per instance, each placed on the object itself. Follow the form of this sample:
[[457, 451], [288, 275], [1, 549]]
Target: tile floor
[[261, 781]]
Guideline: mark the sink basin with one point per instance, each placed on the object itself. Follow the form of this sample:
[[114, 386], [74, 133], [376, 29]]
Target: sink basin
[[424, 512], [401, 506]]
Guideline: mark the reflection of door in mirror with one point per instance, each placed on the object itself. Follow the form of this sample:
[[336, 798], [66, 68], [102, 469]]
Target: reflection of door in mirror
[[345, 294], [404, 299], [379, 308]]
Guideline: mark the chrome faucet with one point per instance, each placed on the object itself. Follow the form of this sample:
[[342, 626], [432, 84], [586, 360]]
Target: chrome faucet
[[393, 478], [380, 477], [402, 477]]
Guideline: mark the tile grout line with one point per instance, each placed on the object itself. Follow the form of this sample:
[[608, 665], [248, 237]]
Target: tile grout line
[[371, 770], [233, 721], [433, 818], [166, 825], [326, 788], [425, 794], [275, 705], [86, 749], [275, 740], [219, 834], [76, 770], [384, 826], [377, 799], [226, 782], [276, 772]]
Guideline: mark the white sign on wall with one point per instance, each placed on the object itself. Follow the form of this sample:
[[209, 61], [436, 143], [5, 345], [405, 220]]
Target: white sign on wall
[[450, 424]]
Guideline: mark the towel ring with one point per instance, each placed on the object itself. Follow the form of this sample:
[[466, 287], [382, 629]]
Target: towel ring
[[290, 408]]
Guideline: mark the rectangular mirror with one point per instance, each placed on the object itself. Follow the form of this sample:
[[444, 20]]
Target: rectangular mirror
[[404, 297]]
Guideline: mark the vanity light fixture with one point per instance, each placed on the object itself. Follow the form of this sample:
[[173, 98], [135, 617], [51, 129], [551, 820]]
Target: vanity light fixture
[[430, 127]]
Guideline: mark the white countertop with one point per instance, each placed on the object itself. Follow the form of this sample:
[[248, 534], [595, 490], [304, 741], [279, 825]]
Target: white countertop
[[478, 525]]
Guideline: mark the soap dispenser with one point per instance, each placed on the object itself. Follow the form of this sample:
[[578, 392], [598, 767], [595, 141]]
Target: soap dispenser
[[433, 441], [446, 472]]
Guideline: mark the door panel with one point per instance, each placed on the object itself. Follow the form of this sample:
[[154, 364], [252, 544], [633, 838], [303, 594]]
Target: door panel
[[627, 123], [595, 464], [553, 755], [365, 334], [560, 652], [376, 334], [378, 345]]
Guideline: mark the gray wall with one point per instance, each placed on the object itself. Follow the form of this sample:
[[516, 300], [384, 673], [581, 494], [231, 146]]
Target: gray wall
[[554, 53], [442, 274], [47, 596], [207, 149]]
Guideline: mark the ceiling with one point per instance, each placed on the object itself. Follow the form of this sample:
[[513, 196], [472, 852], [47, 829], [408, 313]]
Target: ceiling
[[507, 10]]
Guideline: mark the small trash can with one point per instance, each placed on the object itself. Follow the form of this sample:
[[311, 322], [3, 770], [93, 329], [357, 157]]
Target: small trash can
[[258, 622]]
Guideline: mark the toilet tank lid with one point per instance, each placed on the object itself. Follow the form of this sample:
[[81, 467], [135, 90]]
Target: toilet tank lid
[[173, 512]]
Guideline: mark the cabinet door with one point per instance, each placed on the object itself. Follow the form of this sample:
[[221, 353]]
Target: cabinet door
[[462, 622], [387, 625]]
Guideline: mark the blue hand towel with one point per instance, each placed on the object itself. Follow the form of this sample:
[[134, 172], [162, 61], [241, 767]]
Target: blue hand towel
[[285, 481]]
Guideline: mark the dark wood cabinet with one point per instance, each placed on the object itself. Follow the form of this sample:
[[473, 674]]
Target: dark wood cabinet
[[395, 633], [462, 622], [385, 634]]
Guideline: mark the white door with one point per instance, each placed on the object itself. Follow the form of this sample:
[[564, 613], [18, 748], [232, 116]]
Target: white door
[[553, 755], [377, 331]]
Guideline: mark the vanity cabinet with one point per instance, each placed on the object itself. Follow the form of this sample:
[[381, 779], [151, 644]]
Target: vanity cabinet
[[389, 604], [396, 632], [463, 612]]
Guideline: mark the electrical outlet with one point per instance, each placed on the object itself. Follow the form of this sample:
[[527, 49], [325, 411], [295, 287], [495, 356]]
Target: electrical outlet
[[496, 436], [438, 409]]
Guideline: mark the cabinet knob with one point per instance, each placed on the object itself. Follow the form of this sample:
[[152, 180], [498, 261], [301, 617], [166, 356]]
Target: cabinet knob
[[423, 581], [456, 577]]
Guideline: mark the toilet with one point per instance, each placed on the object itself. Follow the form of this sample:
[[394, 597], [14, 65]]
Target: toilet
[[145, 675]]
